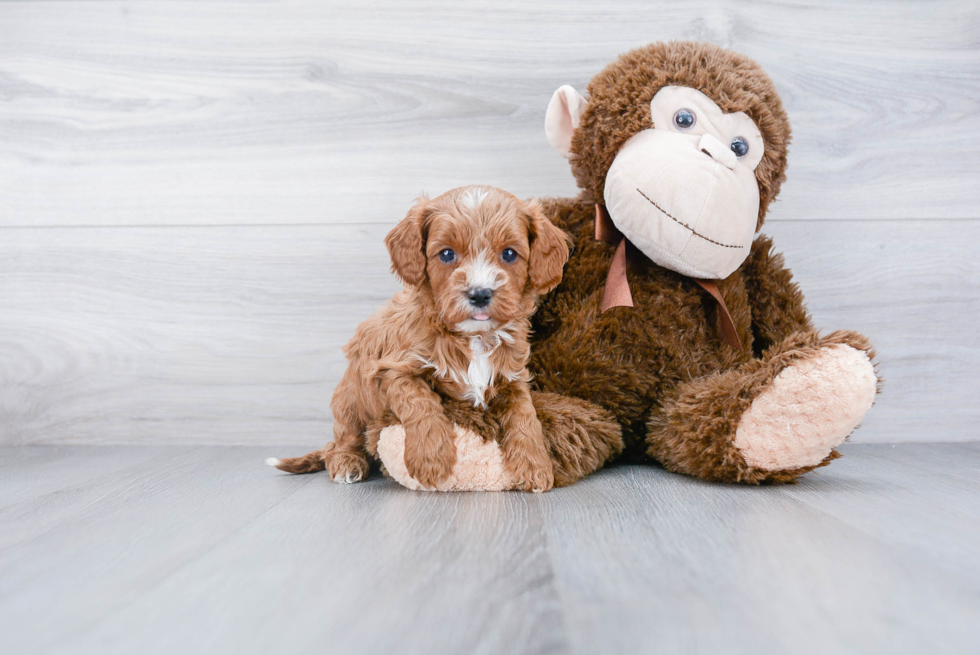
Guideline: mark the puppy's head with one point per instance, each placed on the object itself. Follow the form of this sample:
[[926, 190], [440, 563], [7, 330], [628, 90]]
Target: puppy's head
[[482, 253]]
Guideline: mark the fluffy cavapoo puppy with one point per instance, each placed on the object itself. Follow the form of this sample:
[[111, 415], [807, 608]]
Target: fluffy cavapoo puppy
[[474, 261]]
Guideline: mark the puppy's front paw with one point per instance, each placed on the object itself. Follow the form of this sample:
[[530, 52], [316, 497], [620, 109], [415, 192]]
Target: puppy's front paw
[[533, 472], [430, 452], [346, 467]]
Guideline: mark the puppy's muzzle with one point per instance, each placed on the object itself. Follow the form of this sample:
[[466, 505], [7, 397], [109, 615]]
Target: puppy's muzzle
[[479, 298]]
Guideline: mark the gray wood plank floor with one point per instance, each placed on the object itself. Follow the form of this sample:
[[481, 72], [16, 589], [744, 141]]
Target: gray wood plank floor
[[205, 550]]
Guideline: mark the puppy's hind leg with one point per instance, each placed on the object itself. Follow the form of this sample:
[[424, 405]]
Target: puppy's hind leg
[[344, 465], [344, 458]]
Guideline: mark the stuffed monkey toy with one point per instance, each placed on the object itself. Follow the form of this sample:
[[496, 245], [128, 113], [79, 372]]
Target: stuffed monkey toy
[[674, 314]]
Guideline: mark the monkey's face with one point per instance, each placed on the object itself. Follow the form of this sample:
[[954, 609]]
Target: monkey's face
[[684, 191], [685, 143]]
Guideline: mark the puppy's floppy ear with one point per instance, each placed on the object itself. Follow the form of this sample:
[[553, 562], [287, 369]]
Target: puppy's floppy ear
[[406, 245], [549, 250]]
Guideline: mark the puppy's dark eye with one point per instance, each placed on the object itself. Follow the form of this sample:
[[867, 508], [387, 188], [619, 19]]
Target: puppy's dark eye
[[740, 147], [509, 255], [447, 256], [685, 119]]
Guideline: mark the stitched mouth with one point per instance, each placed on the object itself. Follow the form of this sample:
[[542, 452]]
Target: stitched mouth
[[685, 225]]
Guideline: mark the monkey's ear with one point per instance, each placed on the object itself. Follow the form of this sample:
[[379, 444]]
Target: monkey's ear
[[560, 121], [406, 245], [549, 250]]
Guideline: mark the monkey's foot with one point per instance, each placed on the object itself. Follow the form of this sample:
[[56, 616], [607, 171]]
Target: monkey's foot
[[479, 464], [807, 410]]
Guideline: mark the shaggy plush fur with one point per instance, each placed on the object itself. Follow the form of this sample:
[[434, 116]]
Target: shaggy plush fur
[[680, 394], [619, 107], [694, 430], [474, 261]]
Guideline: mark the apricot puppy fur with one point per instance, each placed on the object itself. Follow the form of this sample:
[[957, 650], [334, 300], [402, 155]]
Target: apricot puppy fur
[[474, 261]]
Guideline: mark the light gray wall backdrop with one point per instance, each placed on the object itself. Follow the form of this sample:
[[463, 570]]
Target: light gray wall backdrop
[[193, 195]]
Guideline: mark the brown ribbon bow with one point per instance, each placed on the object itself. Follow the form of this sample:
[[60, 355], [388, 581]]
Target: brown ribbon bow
[[617, 291]]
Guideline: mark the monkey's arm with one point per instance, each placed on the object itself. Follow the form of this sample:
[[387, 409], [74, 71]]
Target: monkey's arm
[[778, 307]]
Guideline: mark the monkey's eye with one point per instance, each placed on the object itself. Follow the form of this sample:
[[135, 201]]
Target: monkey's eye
[[509, 255], [447, 256], [685, 119], [740, 147]]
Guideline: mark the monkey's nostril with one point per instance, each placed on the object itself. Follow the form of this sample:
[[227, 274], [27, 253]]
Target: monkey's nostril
[[718, 151], [479, 297]]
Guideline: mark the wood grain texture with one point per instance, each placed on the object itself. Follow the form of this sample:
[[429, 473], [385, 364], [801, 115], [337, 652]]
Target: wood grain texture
[[209, 550], [197, 549], [715, 568], [203, 334], [233, 335], [914, 289], [176, 113]]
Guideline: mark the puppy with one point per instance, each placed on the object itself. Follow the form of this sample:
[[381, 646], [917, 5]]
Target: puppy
[[474, 261]]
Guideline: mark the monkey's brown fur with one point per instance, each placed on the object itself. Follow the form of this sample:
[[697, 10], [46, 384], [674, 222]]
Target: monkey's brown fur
[[660, 367], [619, 107]]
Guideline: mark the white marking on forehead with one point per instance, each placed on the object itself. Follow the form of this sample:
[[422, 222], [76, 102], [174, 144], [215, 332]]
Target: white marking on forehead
[[482, 273], [474, 196]]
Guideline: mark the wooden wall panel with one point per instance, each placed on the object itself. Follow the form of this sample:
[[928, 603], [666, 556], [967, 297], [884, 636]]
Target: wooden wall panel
[[200, 113], [193, 194], [232, 335]]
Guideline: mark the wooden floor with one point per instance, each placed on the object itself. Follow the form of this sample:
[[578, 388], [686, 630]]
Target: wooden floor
[[173, 549]]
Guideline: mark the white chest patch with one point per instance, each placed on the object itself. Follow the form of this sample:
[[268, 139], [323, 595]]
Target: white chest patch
[[479, 374]]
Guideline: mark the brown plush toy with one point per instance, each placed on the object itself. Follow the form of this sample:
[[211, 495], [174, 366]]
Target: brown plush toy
[[673, 314]]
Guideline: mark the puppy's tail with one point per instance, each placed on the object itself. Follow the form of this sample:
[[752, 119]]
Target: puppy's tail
[[310, 463]]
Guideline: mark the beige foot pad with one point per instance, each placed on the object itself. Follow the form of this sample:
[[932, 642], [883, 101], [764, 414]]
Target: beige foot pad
[[808, 410], [479, 464]]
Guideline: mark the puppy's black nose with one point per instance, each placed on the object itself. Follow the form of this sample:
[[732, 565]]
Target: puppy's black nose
[[479, 297]]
